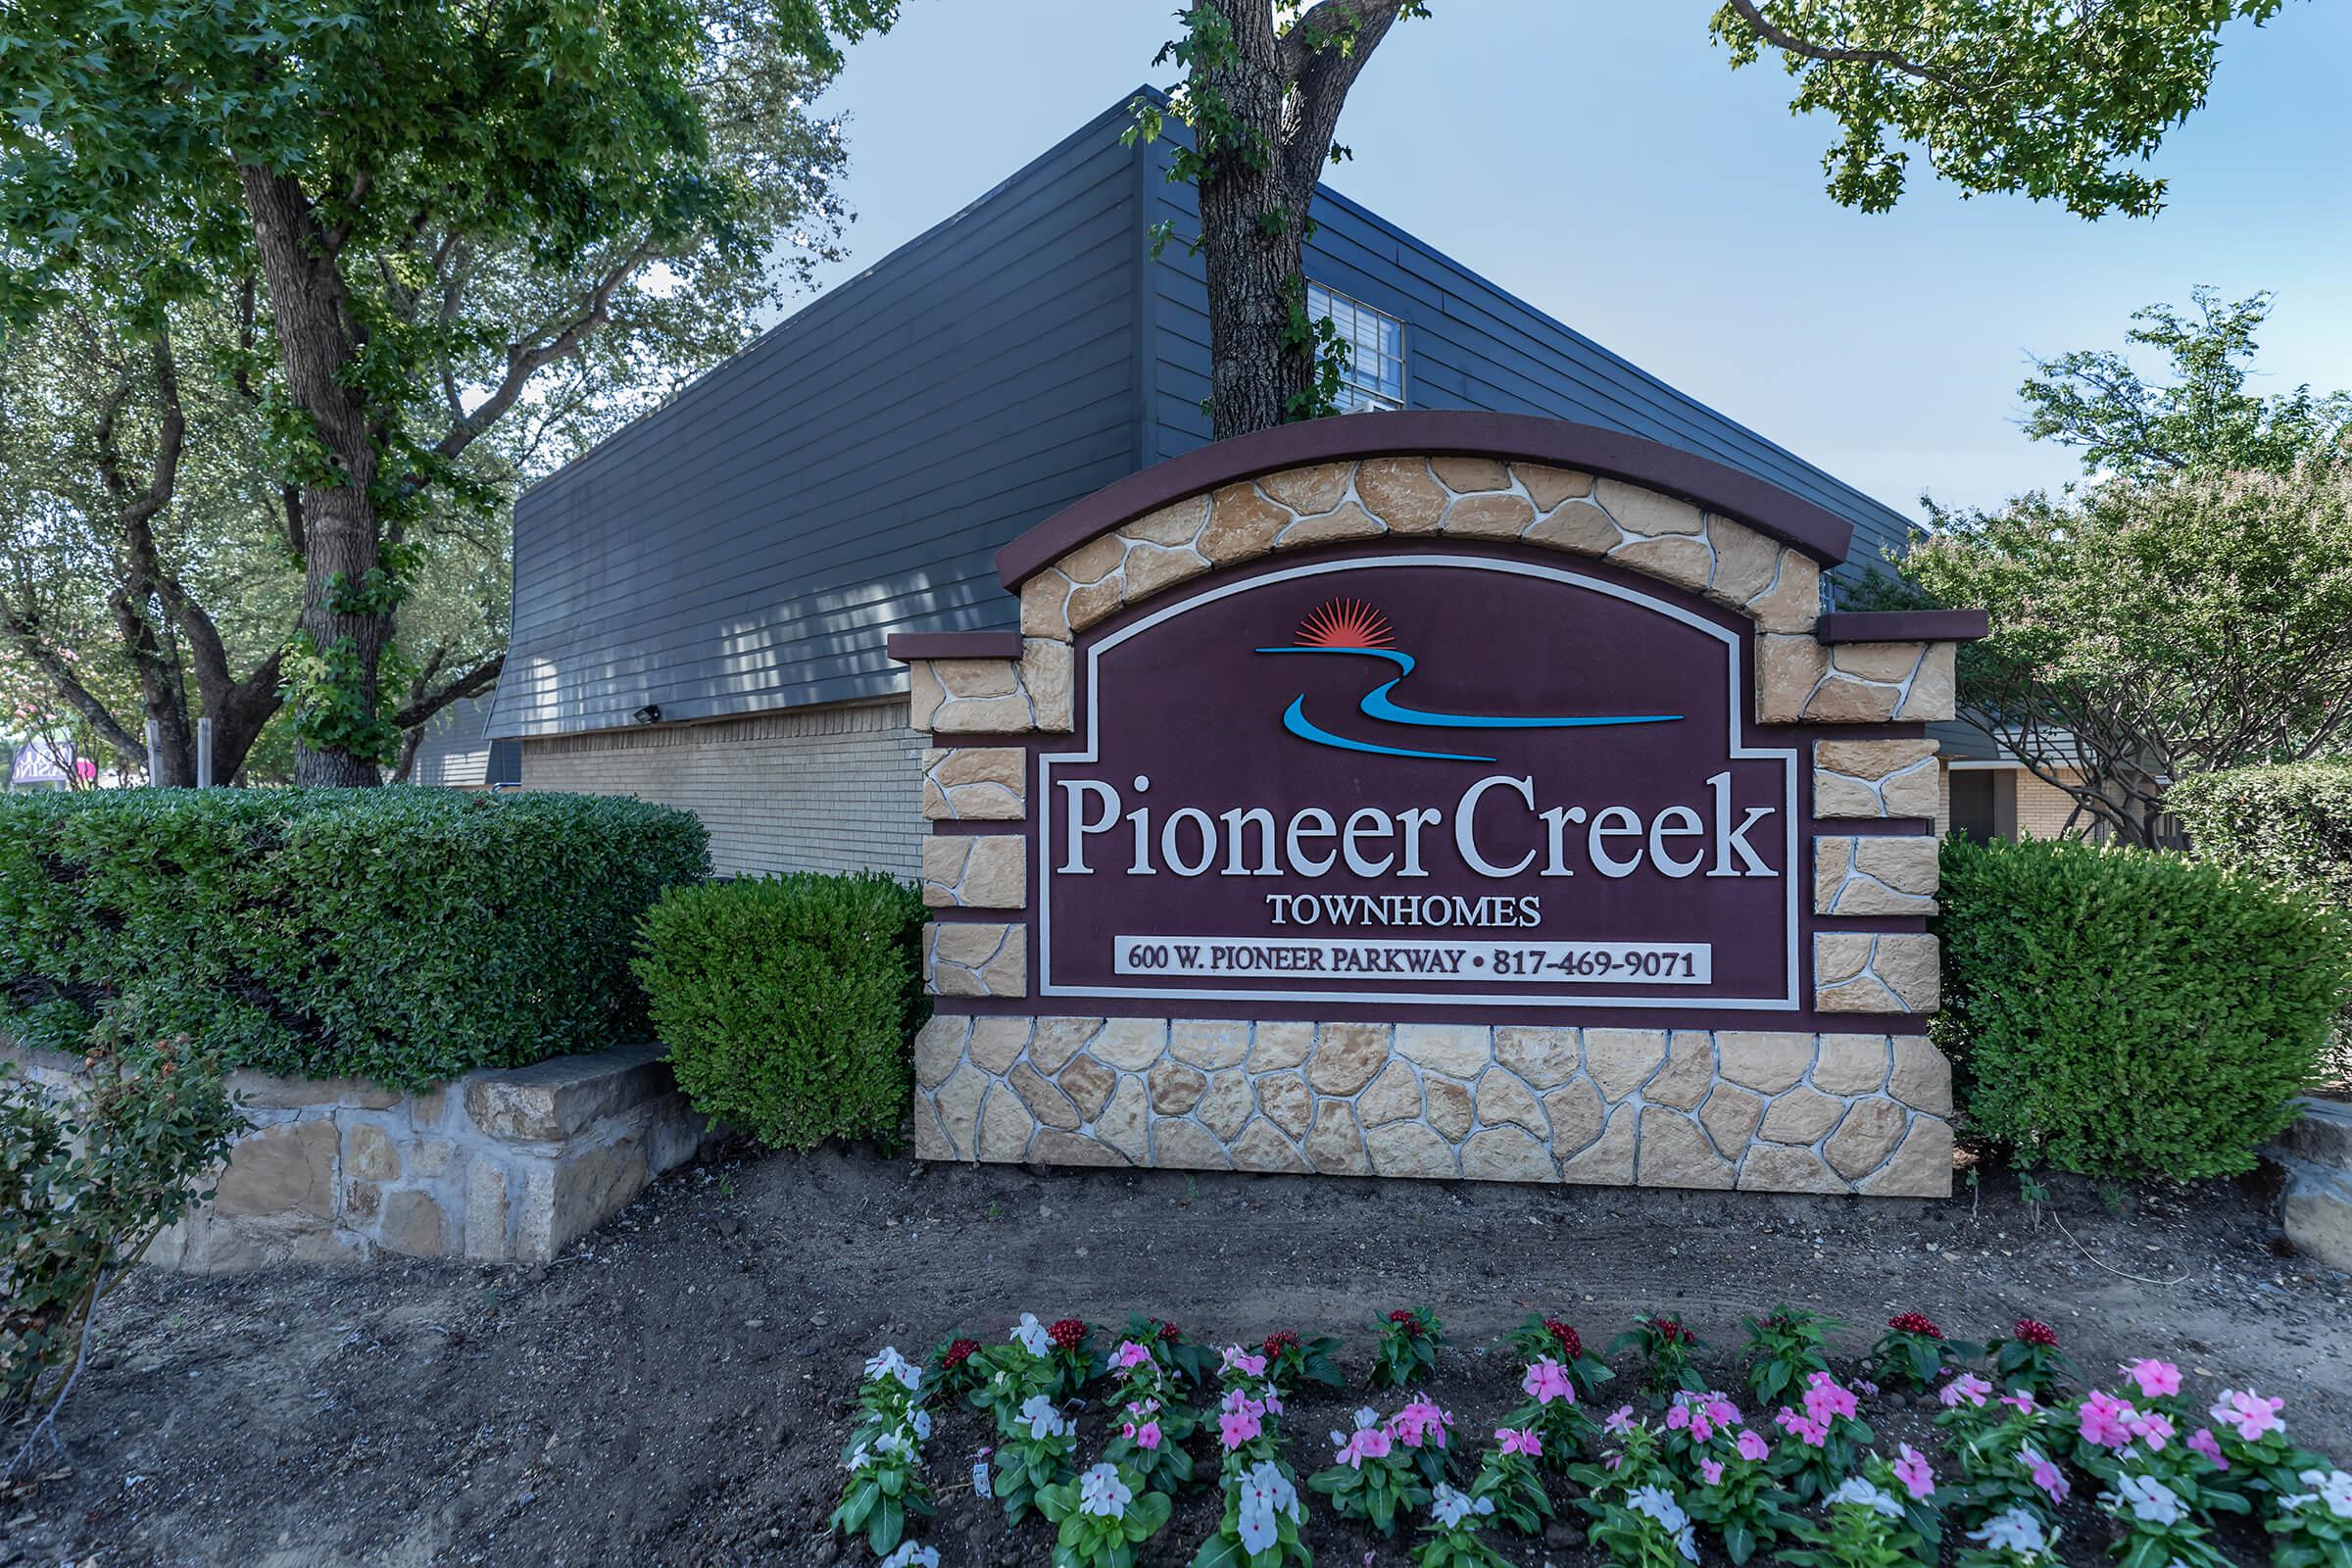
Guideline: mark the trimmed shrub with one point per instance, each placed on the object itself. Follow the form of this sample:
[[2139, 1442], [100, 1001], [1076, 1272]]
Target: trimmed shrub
[[787, 1003], [2119, 1012], [2290, 824], [399, 935]]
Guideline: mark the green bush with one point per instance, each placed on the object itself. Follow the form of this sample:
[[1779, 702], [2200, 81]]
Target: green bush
[[787, 1003], [2290, 824], [399, 935], [2118, 1012]]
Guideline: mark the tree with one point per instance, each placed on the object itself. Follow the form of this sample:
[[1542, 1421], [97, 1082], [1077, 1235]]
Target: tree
[[2202, 421], [2148, 629], [375, 164], [2055, 99]]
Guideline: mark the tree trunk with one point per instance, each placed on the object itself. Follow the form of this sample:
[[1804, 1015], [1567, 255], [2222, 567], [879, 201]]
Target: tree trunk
[[1283, 94], [1252, 235], [317, 337]]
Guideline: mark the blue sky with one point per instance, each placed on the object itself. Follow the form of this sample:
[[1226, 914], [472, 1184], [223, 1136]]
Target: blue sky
[[1598, 158]]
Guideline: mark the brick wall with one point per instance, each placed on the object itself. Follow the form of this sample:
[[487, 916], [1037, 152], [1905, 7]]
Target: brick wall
[[2041, 809], [821, 789]]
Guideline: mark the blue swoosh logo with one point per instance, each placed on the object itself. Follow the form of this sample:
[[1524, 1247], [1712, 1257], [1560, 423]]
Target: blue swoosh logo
[[1379, 705]]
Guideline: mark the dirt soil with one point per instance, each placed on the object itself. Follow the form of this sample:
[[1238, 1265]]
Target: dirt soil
[[674, 1389]]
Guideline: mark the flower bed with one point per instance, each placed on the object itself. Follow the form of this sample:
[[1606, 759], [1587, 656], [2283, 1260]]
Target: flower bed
[[1109, 1448]]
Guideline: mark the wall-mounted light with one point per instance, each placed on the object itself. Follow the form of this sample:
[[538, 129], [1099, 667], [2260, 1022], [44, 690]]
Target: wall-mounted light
[[650, 713]]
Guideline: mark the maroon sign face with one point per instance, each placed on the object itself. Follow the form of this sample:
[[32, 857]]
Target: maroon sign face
[[1419, 778]]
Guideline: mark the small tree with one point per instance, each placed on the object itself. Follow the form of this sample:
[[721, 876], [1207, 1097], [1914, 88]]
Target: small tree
[[2202, 419], [89, 1177], [2151, 629]]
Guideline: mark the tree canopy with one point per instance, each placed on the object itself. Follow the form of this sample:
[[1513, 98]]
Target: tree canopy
[[456, 219]]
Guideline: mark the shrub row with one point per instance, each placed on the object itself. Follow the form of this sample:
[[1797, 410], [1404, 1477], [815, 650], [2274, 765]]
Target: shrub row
[[2121, 1013], [399, 935], [2290, 824]]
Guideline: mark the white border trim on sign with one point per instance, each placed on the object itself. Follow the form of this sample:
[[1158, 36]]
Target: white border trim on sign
[[1734, 688]]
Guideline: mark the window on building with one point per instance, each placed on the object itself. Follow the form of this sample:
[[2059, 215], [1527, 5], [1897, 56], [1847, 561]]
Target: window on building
[[1375, 374], [506, 763]]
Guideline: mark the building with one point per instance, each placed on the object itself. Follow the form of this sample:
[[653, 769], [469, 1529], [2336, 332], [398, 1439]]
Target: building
[[454, 752], [701, 602]]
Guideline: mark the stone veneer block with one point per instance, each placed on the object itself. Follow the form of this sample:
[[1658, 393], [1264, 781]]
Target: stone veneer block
[[1880, 875], [1875, 779], [980, 871], [1762, 1112], [977, 959], [988, 783], [1864, 971]]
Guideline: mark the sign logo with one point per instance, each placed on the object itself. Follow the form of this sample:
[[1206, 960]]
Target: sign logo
[[1351, 626]]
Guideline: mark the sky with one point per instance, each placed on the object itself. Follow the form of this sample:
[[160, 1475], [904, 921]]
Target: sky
[[1600, 160]]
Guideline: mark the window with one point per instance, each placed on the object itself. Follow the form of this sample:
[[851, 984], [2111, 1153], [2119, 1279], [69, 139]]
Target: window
[[505, 765], [1375, 373]]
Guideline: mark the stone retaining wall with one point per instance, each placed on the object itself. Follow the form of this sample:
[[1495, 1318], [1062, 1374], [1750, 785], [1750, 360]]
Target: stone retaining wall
[[512, 1163], [1762, 1112]]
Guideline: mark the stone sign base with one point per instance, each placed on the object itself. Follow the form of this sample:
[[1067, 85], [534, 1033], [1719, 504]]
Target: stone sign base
[[511, 1163], [1759, 1111], [2314, 1156]]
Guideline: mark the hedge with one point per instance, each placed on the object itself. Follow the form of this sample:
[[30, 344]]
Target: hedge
[[2119, 1012], [403, 935], [788, 1003], [2290, 824]]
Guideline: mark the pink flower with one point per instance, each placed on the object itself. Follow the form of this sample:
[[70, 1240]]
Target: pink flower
[[2155, 1378], [2022, 1399], [2202, 1441], [1913, 1472], [1237, 1427], [1146, 1435], [1129, 1354], [1546, 1380], [1713, 1471], [2249, 1413], [1678, 1418], [1516, 1439], [1722, 1411], [1418, 1422], [1966, 1386], [1236, 1359], [2107, 1420], [1620, 1421], [1813, 1433], [1825, 1400], [2045, 1475], [1752, 1447], [2154, 1427], [1367, 1442]]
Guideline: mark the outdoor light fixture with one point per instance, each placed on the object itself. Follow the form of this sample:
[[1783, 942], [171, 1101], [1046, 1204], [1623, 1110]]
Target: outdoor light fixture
[[650, 713]]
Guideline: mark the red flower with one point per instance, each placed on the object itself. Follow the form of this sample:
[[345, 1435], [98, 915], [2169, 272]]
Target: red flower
[[2033, 1331], [1280, 1340], [957, 1353], [1169, 1333], [1914, 1323], [1403, 1318], [1066, 1334], [1668, 1329], [1571, 1346]]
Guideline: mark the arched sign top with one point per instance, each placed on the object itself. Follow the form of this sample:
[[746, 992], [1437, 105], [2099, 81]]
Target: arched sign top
[[1511, 437]]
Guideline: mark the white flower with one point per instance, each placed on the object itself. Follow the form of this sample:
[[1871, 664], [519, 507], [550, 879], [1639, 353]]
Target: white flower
[[2014, 1531], [892, 1443], [887, 1362], [910, 1555], [2149, 1499], [1686, 1541], [1031, 1333], [1656, 1503], [1449, 1507], [1102, 1491], [857, 1457], [2332, 1487], [921, 1422], [1044, 1420], [1856, 1490], [1268, 1487]]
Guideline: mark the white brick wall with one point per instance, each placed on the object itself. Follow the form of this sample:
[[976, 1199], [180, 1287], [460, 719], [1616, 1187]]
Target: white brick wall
[[818, 788]]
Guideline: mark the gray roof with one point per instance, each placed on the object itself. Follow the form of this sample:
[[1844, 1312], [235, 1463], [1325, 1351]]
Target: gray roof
[[753, 543]]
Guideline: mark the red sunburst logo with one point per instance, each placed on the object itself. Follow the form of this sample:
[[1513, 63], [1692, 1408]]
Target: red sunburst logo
[[1346, 623]]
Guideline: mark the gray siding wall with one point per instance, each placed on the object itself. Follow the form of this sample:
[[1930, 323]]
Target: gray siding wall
[[751, 545], [1468, 345], [824, 789], [454, 754]]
